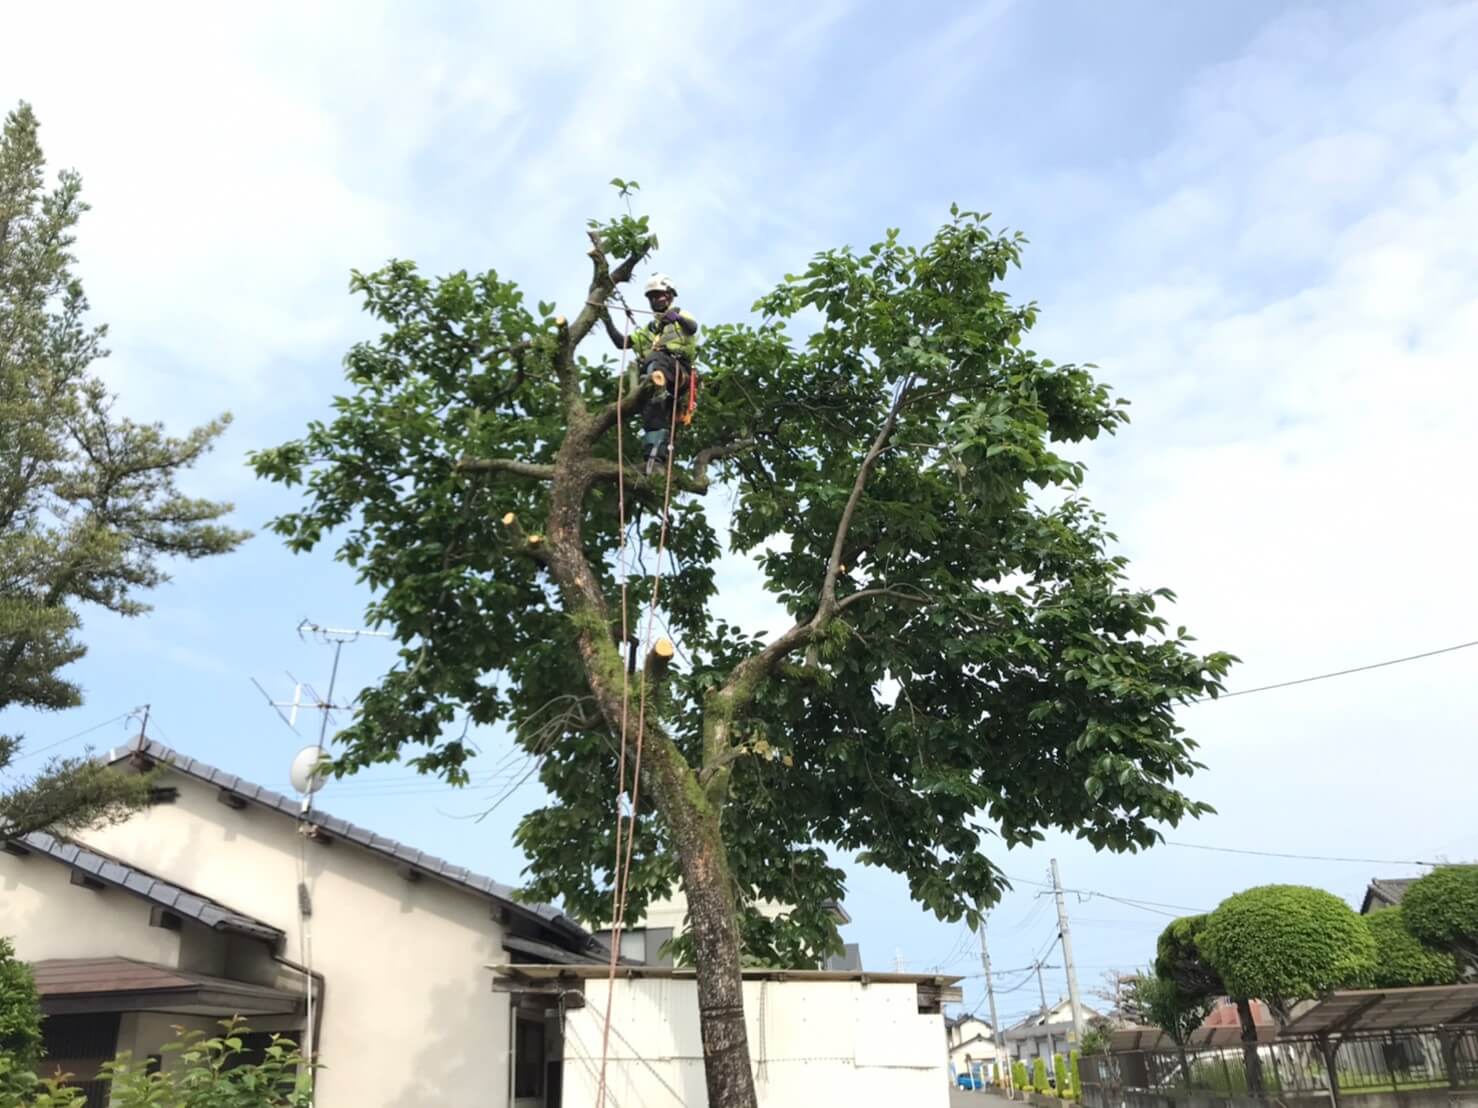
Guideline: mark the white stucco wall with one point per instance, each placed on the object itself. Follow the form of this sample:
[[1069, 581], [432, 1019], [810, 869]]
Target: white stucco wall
[[48, 917], [812, 1044], [408, 1017]]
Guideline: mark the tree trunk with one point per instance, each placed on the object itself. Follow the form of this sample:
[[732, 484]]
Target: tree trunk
[[691, 816], [1185, 1066], [711, 916], [1329, 1047], [1250, 1057]]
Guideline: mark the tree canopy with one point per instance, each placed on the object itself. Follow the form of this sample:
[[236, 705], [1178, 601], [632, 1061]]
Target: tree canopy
[[1401, 959], [1281, 943], [89, 504], [1441, 909], [983, 667], [1170, 1008], [1178, 958], [966, 658]]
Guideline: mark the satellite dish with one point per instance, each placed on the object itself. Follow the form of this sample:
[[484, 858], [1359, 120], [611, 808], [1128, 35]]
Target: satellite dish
[[307, 773]]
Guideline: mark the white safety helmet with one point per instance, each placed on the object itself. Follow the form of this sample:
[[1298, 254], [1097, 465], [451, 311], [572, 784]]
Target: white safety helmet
[[659, 282]]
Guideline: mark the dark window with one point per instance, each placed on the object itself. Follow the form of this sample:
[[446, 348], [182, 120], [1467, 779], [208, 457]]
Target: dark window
[[528, 1058], [78, 1045]]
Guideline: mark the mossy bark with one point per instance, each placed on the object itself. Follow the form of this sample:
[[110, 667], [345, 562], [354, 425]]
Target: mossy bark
[[691, 811]]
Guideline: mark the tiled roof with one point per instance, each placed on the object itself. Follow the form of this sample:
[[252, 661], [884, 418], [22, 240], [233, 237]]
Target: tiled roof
[[1385, 892], [390, 849], [182, 902]]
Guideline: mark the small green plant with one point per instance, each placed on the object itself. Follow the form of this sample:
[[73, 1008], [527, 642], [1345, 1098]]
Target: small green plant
[[1059, 1071], [1076, 1073], [1039, 1075], [1018, 1075], [212, 1073]]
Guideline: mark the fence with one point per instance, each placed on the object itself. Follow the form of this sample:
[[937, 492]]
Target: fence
[[1387, 1069]]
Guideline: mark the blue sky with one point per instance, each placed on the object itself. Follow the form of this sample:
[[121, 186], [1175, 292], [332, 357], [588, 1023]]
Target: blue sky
[[1255, 218]]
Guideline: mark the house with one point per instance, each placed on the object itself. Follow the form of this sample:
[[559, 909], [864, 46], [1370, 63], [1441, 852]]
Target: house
[[219, 899], [1384, 892], [816, 1037], [972, 1045], [224, 898], [1041, 1035]]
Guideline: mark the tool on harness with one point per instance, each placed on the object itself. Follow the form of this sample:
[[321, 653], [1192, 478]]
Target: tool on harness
[[668, 343]]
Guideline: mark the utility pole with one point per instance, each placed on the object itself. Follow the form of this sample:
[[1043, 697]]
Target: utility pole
[[1067, 958], [1046, 1017], [1002, 1074]]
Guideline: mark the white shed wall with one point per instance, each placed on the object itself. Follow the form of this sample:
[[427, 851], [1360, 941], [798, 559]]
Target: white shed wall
[[812, 1043]]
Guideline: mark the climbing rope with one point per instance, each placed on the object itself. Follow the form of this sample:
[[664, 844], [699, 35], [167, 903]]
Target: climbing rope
[[617, 912], [622, 874]]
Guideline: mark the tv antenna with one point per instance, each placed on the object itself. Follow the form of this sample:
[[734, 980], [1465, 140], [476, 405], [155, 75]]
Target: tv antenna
[[337, 637]]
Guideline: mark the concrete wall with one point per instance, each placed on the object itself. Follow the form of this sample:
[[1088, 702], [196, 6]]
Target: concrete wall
[[813, 1044], [49, 917], [408, 1017]]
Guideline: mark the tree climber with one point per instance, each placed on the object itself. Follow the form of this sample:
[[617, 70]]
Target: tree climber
[[667, 345]]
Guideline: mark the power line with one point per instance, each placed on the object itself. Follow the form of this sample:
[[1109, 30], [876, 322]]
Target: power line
[[69, 738], [1339, 672], [1132, 902], [1301, 857]]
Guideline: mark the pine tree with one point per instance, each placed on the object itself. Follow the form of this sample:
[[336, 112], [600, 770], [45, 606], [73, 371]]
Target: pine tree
[[89, 507]]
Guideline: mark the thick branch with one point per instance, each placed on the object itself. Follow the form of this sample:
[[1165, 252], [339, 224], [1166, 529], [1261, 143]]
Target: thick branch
[[897, 594], [603, 282], [682, 481], [708, 455], [746, 677], [506, 465], [879, 444], [619, 340], [631, 403]]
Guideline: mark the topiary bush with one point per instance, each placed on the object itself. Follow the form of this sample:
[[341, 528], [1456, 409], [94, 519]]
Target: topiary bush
[[1018, 1075], [1281, 943], [1039, 1075], [1059, 1070], [1401, 959], [1441, 909], [1178, 958], [1075, 1073]]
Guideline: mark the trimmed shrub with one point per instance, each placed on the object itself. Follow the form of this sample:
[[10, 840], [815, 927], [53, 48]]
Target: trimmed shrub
[[1441, 909], [1280, 943], [1075, 1073], [1039, 1075], [1401, 959], [1018, 1075]]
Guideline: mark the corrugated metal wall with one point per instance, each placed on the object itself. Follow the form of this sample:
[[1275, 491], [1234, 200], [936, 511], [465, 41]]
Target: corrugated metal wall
[[812, 1044]]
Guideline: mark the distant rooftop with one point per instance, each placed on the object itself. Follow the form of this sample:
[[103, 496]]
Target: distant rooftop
[[1385, 892]]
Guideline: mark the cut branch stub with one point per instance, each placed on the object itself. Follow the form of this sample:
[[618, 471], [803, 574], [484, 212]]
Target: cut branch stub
[[659, 378], [659, 658], [524, 544]]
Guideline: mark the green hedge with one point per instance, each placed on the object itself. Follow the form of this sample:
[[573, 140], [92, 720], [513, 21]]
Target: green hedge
[[1403, 960]]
